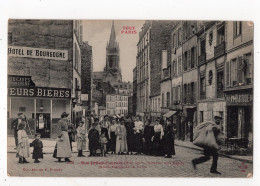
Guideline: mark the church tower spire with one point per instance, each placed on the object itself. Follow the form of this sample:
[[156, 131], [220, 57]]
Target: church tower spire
[[112, 40], [112, 71]]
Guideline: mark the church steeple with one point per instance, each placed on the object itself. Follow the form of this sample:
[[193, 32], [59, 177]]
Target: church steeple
[[112, 71], [112, 41]]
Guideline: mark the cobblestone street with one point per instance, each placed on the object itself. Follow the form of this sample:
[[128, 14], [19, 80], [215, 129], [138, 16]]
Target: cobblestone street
[[133, 165]]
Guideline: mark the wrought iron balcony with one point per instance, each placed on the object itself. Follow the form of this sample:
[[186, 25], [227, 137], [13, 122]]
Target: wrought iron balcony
[[202, 59], [219, 49]]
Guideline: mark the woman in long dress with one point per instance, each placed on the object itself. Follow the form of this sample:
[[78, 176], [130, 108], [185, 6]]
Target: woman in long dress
[[121, 142], [169, 135], [62, 149], [23, 149]]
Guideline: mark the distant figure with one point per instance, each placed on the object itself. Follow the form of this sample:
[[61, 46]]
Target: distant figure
[[37, 148], [23, 149], [103, 143], [93, 136], [81, 139]]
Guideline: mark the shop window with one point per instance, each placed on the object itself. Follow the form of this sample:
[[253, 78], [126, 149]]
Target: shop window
[[220, 84]]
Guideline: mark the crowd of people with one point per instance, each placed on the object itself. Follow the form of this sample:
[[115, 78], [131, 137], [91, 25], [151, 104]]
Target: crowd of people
[[127, 135], [121, 136], [109, 135]]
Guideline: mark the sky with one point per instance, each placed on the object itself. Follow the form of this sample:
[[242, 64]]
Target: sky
[[97, 33]]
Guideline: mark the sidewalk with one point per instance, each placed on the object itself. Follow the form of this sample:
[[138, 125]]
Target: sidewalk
[[190, 145], [48, 145]]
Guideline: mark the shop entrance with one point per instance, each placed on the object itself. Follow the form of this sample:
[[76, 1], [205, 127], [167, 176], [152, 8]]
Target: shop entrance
[[43, 125]]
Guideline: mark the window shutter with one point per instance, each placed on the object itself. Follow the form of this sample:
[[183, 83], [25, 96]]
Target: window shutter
[[239, 71], [195, 56], [227, 74]]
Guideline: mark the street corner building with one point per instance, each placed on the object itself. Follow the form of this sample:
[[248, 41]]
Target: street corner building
[[44, 73]]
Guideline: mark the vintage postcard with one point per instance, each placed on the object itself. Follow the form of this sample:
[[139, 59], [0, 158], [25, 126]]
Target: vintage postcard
[[122, 98]]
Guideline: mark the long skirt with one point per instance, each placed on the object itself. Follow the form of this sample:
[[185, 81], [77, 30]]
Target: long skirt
[[23, 149], [138, 142], [130, 143], [63, 147], [112, 141], [81, 143], [121, 144], [168, 144], [158, 148]]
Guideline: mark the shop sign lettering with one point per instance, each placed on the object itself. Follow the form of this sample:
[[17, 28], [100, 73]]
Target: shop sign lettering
[[16, 51], [240, 98], [39, 92], [14, 80]]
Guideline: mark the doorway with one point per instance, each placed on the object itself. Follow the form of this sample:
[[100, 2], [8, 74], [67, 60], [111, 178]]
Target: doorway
[[43, 125]]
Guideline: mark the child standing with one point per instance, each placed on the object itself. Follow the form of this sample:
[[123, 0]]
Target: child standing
[[37, 148], [81, 139], [103, 142], [23, 149]]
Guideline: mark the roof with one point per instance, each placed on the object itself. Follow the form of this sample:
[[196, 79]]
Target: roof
[[98, 75]]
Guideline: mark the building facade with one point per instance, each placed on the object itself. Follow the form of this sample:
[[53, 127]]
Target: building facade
[[152, 40], [40, 73], [238, 77]]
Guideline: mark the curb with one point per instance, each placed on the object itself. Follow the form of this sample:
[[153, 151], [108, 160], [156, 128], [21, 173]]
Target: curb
[[224, 155]]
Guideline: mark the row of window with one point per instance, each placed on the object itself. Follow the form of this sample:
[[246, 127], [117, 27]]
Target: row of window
[[115, 112], [185, 94], [116, 98]]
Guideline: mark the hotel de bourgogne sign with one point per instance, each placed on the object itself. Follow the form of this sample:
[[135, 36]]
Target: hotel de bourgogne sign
[[17, 51]]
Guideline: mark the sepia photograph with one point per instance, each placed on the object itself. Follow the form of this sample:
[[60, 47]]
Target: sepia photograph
[[130, 98]]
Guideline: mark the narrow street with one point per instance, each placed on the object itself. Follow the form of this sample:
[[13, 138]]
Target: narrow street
[[133, 165]]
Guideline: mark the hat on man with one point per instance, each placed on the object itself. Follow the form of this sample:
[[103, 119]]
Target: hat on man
[[64, 114], [218, 118], [20, 113]]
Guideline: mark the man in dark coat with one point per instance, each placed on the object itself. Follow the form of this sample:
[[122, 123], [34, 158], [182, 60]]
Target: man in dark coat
[[129, 125], [210, 151], [15, 125], [93, 136]]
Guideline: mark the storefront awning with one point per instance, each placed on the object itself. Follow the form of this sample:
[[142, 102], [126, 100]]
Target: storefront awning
[[169, 114]]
